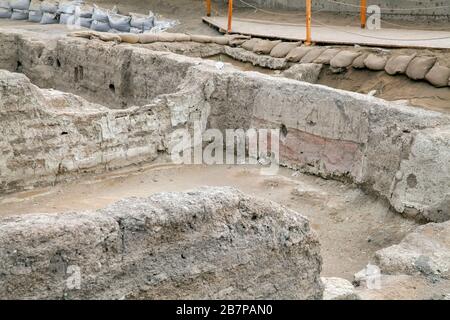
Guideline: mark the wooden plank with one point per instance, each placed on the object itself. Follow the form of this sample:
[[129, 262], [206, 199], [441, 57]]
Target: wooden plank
[[393, 38]]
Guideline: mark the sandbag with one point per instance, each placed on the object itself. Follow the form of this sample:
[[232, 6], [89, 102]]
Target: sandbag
[[49, 18], [344, 59], [182, 37], [398, 64], [438, 76], [119, 22], [142, 22], [296, 54], [201, 39], [250, 44], [49, 6], [148, 38], [312, 55], [83, 22], [19, 5], [35, 16], [109, 37], [100, 26], [221, 40], [375, 62], [265, 46], [358, 63], [419, 67], [129, 38], [5, 4], [282, 49], [5, 13], [19, 14], [135, 30], [100, 14], [326, 56], [84, 11], [67, 7], [66, 18]]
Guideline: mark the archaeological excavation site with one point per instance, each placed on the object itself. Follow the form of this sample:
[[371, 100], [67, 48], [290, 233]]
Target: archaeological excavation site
[[224, 150]]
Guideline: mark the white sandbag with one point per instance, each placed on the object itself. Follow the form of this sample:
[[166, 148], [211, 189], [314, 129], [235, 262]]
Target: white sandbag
[[142, 22], [68, 7], [83, 22], [49, 6], [67, 19], [119, 22], [5, 13], [100, 14], [5, 4], [35, 16], [84, 11], [49, 18], [100, 26], [19, 5], [19, 14]]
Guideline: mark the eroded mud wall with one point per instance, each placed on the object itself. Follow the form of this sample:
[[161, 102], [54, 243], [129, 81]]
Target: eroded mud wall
[[214, 243]]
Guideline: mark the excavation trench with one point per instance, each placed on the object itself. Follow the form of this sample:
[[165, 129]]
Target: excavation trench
[[117, 106]]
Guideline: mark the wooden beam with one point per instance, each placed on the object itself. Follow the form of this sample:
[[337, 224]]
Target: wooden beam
[[230, 15], [363, 8], [308, 23]]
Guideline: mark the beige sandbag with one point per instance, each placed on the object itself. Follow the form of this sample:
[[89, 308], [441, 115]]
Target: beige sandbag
[[167, 37], [296, 54], [221, 40], [182, 37], [108, 37], [358, 63], [326, 56], [201, 39], [375, 62], [129, 37], [148, 38], [250, 44], [312, 55], [419, 67], [398, 64], [438, 76], [265, 46], [282, 49], [235, 40], [82, 34], [344, 59]]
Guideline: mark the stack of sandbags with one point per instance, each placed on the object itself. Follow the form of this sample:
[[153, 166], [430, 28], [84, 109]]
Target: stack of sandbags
[[66, 11], [83, 15], [100, 20], [141, 23], [49, 10], [5, 9], [19, 9], [119, 23], [35, 11]]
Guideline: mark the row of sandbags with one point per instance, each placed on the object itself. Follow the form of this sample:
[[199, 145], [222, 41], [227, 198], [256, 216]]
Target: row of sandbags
[[76, 13], [414, 66], [146, 38]]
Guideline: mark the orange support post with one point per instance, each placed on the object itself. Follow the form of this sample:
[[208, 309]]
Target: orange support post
[[363, 13], [230, 15], [308, 23], [208, 8]]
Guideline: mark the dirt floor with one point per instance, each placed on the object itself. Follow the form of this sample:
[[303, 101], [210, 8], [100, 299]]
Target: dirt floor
[[350, 224]]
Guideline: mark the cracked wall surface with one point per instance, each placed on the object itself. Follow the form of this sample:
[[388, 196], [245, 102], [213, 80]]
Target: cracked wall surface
[[331, 133]]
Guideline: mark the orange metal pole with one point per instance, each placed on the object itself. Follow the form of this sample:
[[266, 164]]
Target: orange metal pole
[[308, 23], [230, 15], [363, 13], [208, 8]]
